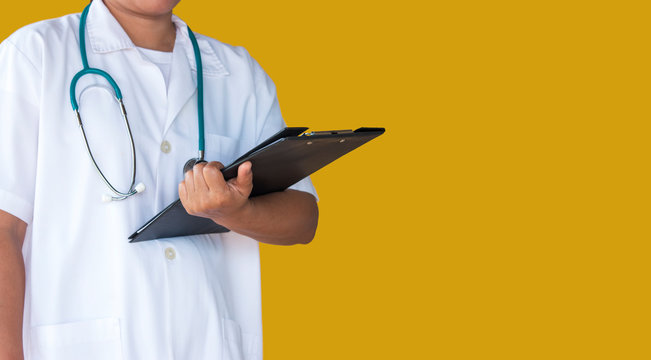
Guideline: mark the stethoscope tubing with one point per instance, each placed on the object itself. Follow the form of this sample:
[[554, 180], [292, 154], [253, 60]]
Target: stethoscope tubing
[[197, 59], [87, 70], [132, 191]]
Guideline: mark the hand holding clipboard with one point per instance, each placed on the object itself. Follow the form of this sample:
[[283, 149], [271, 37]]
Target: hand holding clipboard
[[278, 162]]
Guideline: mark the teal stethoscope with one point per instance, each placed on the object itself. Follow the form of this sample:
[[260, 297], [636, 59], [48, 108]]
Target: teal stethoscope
[[140, 187]]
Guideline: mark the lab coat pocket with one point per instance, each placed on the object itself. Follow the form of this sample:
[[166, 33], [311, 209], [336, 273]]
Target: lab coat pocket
[[221, 148], [238, 345], [97, 339]]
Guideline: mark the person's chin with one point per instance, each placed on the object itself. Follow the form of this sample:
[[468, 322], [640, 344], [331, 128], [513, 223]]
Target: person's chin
[[148, 8]]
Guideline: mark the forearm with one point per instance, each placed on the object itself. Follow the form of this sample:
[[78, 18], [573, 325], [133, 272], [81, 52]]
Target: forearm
[[281, 218], [12, 295]]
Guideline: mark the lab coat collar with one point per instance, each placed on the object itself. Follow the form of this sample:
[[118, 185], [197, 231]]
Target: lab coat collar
[[106, 35]]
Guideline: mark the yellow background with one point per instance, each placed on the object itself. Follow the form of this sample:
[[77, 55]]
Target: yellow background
[[504, 214]]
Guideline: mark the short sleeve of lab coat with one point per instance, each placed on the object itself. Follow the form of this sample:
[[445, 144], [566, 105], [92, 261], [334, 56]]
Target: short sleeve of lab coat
[[270, 118], [19, 112]]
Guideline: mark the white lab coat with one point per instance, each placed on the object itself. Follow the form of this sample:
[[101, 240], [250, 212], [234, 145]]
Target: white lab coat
[[91, 294]]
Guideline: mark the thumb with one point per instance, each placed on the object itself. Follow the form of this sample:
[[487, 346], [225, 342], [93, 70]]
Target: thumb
[[244, 180]]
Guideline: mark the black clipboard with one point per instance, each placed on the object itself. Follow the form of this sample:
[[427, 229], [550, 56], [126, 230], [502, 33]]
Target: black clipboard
[[278, 163]]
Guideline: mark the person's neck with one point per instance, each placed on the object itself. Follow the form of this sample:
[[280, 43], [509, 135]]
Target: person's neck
[[146, 31]]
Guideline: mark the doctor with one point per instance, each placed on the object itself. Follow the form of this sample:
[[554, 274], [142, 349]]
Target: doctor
[[71, 286]]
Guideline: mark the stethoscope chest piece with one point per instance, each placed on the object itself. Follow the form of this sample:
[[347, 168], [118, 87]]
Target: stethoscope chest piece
[[191, 163]]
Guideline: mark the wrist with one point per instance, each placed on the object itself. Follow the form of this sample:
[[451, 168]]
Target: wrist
[[236, 218]]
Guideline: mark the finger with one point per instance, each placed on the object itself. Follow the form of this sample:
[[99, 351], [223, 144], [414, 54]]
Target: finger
[[189, 182], [184, 197], [213, 176], [244, 179], [183, 192], [200, 185]]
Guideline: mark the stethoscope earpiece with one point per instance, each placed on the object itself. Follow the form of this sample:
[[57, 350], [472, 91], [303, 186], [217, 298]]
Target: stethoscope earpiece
[[140, 188]]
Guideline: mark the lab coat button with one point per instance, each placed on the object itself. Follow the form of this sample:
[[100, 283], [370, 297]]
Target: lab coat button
[[170, 253], [165, 147]]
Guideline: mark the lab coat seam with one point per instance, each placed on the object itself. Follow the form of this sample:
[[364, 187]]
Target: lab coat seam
[[16, 205], [264, 122], [208, 56], [258, 86], [212, 65], [99, 49], [119, 47], [25, 56], [96, 43], [112, 39], [211, 74]]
